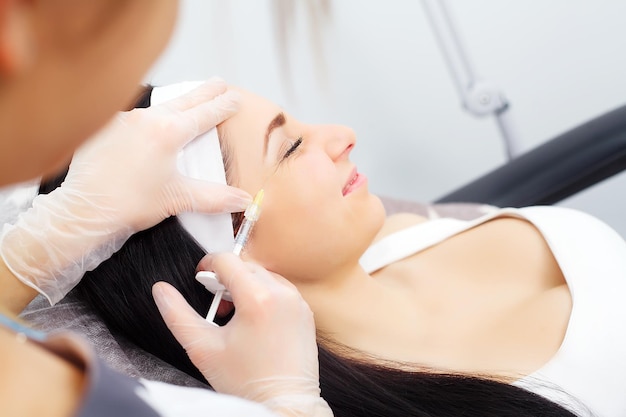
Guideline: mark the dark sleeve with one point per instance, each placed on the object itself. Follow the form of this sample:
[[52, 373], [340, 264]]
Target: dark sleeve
[[110, 393], [106, 392]]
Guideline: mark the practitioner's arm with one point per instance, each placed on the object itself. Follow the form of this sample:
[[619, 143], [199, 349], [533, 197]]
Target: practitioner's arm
[[14, 294]]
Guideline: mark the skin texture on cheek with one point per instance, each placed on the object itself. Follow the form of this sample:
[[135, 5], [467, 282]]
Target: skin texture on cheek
[[306, 241], [290, 222]]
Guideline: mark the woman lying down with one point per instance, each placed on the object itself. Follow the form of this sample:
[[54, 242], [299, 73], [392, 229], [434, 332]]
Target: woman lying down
[[517, 313]]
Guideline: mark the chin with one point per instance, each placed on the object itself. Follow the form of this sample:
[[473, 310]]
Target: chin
[[378, 208], [373, 217]]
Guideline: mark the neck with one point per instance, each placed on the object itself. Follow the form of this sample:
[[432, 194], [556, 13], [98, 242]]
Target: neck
[[357, 310]]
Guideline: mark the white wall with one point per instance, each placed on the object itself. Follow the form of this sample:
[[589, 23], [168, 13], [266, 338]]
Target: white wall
[[559, 63]]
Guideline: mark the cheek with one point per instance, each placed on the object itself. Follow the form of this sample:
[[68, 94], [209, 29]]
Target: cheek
[[308, 229], [301, 186], [302, 189], [298, 210], [289, 243]]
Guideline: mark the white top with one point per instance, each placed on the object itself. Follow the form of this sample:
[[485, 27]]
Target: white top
[[590, 365]]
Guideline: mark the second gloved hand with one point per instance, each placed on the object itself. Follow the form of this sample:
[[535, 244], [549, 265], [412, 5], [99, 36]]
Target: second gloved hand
[[122, 181], [267, 352]]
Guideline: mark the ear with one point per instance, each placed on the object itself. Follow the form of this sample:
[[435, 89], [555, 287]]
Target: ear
[[16, 37]]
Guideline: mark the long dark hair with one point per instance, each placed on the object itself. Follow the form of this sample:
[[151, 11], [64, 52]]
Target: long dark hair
[[119, 290]]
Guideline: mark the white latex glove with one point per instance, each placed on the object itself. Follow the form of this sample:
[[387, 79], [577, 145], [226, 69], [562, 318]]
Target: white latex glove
[[122, 181], [266, 353]]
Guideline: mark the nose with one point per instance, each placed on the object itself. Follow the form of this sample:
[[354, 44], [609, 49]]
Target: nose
[[336, 140]]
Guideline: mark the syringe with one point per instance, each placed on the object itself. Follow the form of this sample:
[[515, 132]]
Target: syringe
[[250, 216]]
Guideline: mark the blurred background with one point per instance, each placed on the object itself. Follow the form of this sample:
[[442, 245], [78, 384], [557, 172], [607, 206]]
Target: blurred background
[[377, 67]]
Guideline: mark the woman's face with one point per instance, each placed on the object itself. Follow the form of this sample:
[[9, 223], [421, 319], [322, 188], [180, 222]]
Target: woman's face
[[317, 215], [86, 61]]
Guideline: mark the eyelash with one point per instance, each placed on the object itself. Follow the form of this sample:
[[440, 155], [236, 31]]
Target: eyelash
[[292, 148]]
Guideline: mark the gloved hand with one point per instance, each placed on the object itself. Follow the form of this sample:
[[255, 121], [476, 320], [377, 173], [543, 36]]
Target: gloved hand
[[266, 353], [122, 181]]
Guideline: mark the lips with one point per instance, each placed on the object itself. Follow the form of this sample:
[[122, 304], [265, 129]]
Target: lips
[[354, 181]]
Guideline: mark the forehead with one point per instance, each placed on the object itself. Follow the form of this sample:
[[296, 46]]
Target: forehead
[[254, 112], [244, 134]]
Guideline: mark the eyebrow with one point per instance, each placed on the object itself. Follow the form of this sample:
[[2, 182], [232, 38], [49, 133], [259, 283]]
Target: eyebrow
[[276, 122]]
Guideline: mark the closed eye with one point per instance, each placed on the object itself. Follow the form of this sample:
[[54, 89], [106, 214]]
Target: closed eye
[[292, 148]]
